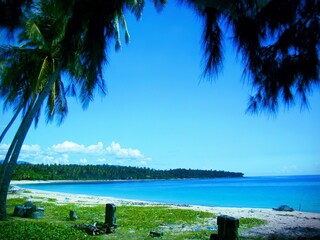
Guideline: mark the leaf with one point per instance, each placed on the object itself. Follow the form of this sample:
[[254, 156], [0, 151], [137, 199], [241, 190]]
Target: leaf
[[44, 74], [34, 33]]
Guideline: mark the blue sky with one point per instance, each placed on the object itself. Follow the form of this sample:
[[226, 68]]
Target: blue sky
[[160, 113]]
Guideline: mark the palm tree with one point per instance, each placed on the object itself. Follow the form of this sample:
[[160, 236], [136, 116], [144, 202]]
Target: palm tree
[[279, 42], [68, 37], [31, 73]]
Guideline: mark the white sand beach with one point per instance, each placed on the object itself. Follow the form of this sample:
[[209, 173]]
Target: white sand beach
[[294, 224]]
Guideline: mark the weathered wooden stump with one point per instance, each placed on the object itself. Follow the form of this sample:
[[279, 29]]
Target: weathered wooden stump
[[19, 211], [95, 228], [29, 210], [227, 228], [232, 225], [110, 217], [221, 221], [156, 234], [73, 215]]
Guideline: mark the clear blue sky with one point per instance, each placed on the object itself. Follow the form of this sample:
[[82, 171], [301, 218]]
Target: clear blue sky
[[160, 113]]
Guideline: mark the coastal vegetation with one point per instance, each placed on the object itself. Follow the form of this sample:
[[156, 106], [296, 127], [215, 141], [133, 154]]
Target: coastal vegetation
[[278, 40], [53, 59], [109, 172], [134, 222]]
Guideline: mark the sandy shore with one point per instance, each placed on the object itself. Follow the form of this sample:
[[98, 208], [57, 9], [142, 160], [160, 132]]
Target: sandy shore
[[296, 224]]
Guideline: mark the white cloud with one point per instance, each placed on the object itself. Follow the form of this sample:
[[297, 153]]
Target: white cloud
[[101, 160], [4, 146], [63, 159], [69, 152], [68, 147], [48, 159], [31, 148], [83, 161], [116, 150], [98, 148], [27, 152], [3, 150]]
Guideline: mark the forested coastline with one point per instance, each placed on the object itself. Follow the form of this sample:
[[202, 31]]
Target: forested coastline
[[110, 172]]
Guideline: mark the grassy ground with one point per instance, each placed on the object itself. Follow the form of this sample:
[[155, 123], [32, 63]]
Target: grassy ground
[[134, 222]]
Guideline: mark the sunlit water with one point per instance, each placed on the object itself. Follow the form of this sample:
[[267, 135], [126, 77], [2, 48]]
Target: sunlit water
[[300, 192]]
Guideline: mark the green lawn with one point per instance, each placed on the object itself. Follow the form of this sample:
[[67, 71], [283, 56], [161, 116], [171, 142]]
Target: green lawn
[[134, 222]]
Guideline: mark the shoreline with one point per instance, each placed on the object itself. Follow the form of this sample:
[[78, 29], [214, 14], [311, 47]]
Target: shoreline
[[57, 182], [294, 224], [23, 182]]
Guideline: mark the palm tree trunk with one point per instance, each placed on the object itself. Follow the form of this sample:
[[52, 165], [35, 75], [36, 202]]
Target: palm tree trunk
[[13, 144], [16, 145], [5, 162], [4, 165], [10, 123]]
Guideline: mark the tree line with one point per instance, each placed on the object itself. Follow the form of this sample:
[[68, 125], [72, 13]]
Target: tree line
[[110, 172], [278, 42]]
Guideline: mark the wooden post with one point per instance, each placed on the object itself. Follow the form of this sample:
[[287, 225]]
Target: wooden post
[[221, 221], [30, 209], [227, 228], [232, 225], [73, 215], [19, 211], [110, 218]]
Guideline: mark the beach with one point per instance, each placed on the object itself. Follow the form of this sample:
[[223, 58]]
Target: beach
[[295, 224]]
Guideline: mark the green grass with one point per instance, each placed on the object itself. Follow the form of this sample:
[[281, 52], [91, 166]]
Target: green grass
[[134, 222], [27, 191], [52, 200], [251, 222]]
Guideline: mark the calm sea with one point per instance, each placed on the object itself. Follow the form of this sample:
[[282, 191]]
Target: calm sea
[[300, 192]]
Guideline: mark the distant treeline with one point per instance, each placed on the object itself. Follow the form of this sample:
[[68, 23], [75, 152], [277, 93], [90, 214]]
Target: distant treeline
[[109, 172]]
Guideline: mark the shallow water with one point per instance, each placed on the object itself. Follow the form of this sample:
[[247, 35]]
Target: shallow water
[[300, 192]]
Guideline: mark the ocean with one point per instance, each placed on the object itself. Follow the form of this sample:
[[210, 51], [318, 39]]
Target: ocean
[[299, 192]]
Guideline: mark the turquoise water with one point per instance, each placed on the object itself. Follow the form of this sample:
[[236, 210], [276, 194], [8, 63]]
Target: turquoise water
[[300, 192]]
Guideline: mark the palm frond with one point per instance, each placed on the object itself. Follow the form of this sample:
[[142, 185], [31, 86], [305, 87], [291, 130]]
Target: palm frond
[[44, 74], [136, 7], [61, 102], [159, 4], [212, 42], [117, 33], [34, 33], [125, 27]]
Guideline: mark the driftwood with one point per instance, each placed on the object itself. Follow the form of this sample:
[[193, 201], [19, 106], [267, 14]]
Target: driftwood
[[156, 234], [96, 228], [109, 226]]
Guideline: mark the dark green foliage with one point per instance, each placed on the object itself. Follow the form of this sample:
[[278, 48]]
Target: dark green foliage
[[251, 222], [135, 222], [284, 60], [13, 230], [106, 172], [279, 43], [161, 215], [11, 12]]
